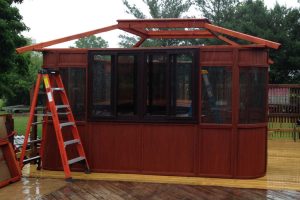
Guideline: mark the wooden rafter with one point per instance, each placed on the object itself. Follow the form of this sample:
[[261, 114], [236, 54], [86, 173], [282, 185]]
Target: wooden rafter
[[181, 33], [65, 39], [225, 39], [228, 41], [140, 42], [134, 31], [242, 36], [163, 29], [162, 23]]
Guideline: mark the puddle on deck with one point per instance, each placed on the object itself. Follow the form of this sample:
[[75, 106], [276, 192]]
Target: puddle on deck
[[31, 188]]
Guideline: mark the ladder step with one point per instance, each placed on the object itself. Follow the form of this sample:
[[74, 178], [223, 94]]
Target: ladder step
[[71, 142], [63, 113], [58, 89], [49, 114], [44, 114], [75, 160], [67, 124], [62, 106], [31, 159], [36, 123], [35, 141], [40, 108]]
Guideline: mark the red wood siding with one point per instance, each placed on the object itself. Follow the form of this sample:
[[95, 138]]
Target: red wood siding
[[251, 159], [215, 152], [115, 147], [169, 148], [250, 57], [235, 151]]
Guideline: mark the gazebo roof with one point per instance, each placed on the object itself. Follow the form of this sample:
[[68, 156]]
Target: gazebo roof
[[164, 29]]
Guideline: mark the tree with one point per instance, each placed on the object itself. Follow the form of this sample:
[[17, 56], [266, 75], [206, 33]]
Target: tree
[[278, 24], [91, 42], [12, 65], [217, 11], [156, 9]]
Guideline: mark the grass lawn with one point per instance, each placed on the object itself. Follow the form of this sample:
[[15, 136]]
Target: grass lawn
[[20, 123]]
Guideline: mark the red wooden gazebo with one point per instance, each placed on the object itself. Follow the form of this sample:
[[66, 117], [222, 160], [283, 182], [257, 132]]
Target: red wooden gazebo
[[192, 110]]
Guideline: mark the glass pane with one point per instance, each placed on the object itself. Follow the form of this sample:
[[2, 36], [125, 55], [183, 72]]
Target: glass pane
[[126, 85], [156, 66], [253, 94], [183, 85], [101, 84], [216, 95], [74, 80]]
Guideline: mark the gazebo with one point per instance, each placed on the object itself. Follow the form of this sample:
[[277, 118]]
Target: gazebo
[[178, 110]]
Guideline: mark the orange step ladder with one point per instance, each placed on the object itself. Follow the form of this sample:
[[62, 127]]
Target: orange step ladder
[[53, 84]]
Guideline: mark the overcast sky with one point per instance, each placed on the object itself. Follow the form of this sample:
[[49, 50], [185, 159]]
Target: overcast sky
[[51, 19]]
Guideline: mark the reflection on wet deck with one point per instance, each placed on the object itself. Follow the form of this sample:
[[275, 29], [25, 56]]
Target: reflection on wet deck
[[31, 188], [283, 174]]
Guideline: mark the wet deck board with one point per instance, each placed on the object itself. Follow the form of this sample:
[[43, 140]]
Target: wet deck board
[[132, 190]]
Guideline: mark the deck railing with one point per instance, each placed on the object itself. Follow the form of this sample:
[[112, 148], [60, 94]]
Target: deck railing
[[284, 111]]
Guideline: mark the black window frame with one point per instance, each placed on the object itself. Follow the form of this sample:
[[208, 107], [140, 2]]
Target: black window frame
[[141, 90]]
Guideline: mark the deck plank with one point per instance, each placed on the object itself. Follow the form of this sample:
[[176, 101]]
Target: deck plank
[[86, 189]]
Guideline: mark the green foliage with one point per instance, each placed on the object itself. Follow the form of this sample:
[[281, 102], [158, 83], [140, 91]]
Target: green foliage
[[91, 42], [157, 9], [280, 24], [14, 68], [10, 29], [2, 104], [217, 11]]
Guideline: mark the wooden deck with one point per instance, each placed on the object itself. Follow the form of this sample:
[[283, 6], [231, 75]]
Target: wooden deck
[[281, 182], [91, 190], [283, 172]]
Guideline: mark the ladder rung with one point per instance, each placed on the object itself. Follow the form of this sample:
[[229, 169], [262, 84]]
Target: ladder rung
[[35, 141], [58, 89], [75, 160], [40, 108], [67, 124], [63, 113], [62, 106], [31, 159], [71, 142], [36, 123], [44, 114]]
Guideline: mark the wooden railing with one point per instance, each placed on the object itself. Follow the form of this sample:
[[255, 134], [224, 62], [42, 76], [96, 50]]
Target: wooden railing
[[284, 111]]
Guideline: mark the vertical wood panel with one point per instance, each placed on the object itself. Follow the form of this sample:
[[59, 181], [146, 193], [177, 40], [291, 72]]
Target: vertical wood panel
[[253, 57], [115, 147], [169, 149], [251, 152], [215, 156], [52, 160]]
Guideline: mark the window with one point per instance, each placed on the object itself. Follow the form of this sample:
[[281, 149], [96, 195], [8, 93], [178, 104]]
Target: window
[[101, 85], [126, 90], [253, 94], [74, 79], [216, 95], [142, 86], [156, 70], [183, 64]]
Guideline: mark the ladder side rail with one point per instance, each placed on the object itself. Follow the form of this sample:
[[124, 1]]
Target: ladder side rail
[[30, 120], [64, 98], [70, 117], [44, 134], [58, 133]]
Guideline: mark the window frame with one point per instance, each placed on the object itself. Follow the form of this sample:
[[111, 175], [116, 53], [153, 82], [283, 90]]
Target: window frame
[[85, 101], [228, 67], [141, 85]]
